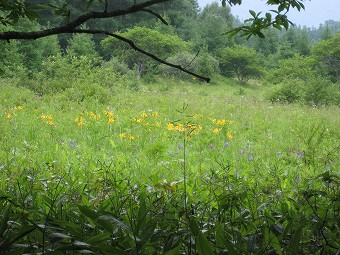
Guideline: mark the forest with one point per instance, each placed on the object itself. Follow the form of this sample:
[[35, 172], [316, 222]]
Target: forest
[[214, 142]]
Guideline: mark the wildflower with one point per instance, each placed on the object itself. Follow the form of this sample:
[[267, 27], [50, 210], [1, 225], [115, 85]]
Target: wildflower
[[139, 120], [179, 146], [110, 117], [278, 153], [230, 135], [50, 121], [221, 122], [122, 135], [226, 144], [170, 126], [43, 116], [216, 130], [300, 154], [211, 147], [9, 116], [110, 120], [131, 137], [80, 121], [18, 108], [154, 114], [144, 115], [94, 116]]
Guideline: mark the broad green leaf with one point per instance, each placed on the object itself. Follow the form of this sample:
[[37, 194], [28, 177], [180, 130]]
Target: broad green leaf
[[57, 237], [174, 251], [194, 228], [203, 246], [223, 242], [294, 243], [98, 238], [252, 13], [93, 215]]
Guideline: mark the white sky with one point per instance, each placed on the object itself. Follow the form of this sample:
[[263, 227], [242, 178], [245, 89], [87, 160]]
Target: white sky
[[316, 12]]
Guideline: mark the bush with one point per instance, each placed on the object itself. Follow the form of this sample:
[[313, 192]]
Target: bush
[[287, 92], [320, 91], [316, 92]]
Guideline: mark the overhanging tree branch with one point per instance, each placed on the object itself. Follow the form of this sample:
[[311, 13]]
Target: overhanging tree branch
[[69, 27], [135, 47], [73, 27]]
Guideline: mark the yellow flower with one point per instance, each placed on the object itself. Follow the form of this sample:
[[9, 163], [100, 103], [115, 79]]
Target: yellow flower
[[110, 117], [131, 137], [221, 122], [50, 122], [216, 130], [43, 116], [122, 135], [144, 115], [170, 126], [154, 114], [9, 116], [80, 121], [94, 116], [139, 120], [19, 108], [230, 135], [110, 120]]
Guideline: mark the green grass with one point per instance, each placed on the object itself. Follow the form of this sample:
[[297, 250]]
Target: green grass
[[265, 180]]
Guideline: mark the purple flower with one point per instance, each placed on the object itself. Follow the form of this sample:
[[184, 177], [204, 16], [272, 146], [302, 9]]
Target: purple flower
[[226, 144], [250, 157], [179, 146], [300, 154], [241, 151], [211, 147], [278, 153]]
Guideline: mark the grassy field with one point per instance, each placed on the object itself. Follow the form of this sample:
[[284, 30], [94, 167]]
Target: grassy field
[[167, 168]]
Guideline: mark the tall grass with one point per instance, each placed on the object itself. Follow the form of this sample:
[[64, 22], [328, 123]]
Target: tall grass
[[135, 173]]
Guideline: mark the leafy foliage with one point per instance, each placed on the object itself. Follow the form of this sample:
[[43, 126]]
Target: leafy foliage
[[162, 45], [328, 52], [240, 61]]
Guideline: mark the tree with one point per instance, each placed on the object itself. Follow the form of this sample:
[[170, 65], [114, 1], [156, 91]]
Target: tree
[[328, 53], [240, 61], [159, 44], [12, 11], [82, 45], [212, 24]]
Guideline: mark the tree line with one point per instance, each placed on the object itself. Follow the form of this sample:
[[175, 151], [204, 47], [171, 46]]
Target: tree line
[[181, 33]]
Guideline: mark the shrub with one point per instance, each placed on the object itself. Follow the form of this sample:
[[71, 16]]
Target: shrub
[[287, 92], [316, 92]]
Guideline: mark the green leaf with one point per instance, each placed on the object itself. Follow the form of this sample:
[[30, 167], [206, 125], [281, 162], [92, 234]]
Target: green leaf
[[93, 215], [57, 237], [114, 220], [24, 231], [194, 228], [293, 246], [252, 13], [203, 246], [224, 242], [98, 238], [174, 251]]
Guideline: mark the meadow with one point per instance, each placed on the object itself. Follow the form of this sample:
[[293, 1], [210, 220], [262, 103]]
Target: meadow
[[167, 167]]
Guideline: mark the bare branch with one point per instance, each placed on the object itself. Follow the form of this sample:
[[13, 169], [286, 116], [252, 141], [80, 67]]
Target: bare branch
[[157, 15], [135, 47]]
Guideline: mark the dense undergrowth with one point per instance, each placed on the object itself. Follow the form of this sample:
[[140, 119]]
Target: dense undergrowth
[[166, 168]]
